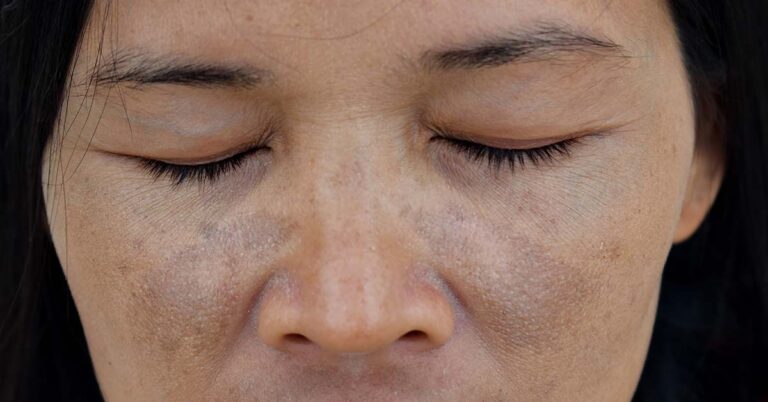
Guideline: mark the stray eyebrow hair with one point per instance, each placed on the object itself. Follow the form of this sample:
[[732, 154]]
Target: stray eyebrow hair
[[542, 43], [139, 69]]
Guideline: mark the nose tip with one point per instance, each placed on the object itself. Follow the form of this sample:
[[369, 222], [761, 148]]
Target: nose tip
[[421, 322], [354, 338]]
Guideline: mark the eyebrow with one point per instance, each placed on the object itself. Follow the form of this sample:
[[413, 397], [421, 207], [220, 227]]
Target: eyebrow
[[139, 69], [546, 41]]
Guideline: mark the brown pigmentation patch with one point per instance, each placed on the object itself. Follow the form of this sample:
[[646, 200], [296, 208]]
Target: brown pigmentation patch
[[195, 300], [531, 294]]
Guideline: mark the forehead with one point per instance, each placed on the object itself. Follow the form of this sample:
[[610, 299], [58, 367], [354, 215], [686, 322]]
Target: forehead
[[292, 34]]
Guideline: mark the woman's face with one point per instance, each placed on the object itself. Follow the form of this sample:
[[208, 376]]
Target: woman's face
[[349, 235]]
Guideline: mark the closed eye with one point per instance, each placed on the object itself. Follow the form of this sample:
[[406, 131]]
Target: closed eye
[[497, 158], [492, 157], [201, 173]]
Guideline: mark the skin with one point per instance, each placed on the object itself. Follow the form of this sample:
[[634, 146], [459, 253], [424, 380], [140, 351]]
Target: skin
[[357, 259]]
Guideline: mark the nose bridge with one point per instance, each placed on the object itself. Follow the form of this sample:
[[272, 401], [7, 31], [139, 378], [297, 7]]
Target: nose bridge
[[344, 195], [353, 288], [346, 183], [346, 158], [351, 284]]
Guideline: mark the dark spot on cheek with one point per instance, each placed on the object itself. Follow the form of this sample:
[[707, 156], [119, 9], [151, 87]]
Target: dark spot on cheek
[[405, 212], [191, 302], [610, 251], [259, 235], [137, 244], [537, 301], [509, 276]]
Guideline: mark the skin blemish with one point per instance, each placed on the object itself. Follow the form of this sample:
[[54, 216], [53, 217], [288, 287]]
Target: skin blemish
[[530, 295], [199, 295], [519, 282]]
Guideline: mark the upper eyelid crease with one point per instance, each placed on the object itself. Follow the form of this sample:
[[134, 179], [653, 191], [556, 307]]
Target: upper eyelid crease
[[260, 143], [207, 171], [212, 159]]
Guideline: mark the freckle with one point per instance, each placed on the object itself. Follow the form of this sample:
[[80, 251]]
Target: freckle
[[197, 294], [137, 244], [169, 344], [610, 253], [249, 17], [207, 231]]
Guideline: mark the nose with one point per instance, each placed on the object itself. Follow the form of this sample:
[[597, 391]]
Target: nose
[[354, 284], [361, 301]]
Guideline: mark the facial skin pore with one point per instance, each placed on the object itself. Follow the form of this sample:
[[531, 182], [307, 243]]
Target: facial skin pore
[[356, 256]]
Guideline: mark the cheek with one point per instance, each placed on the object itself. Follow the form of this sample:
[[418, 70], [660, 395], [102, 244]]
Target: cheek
[[189, 296], [556, 266], [168, 282], [530, 292]]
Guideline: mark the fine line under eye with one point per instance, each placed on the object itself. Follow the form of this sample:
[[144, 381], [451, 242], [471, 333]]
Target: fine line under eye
[[496, 158]]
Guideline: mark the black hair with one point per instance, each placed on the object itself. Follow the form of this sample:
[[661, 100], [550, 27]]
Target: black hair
[[710, 341], [43, 349]]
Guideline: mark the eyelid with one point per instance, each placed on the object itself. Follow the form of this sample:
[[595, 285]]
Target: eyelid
[[181, 171], [259, 144], [508, 143], [200, 173], [229, 154], [494, 158]]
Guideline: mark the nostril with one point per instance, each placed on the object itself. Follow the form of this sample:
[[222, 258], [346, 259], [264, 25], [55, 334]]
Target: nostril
[[296, 339], [414, 336]]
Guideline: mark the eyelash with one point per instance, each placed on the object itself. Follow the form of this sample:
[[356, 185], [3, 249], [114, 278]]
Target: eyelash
[[493, 157], [203, 173]]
